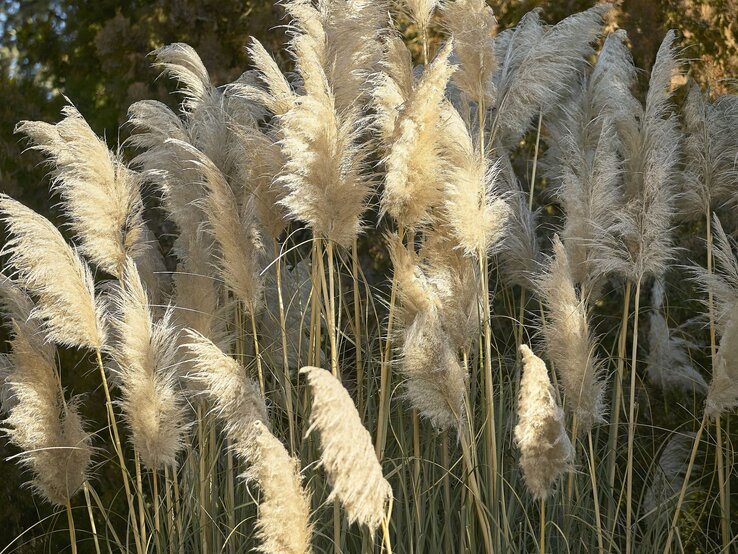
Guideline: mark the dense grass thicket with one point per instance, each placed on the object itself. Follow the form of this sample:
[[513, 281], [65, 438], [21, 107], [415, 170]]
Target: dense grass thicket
[[550, 364]]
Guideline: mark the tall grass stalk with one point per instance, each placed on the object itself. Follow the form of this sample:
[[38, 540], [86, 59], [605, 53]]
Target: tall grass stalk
[[632, 424]]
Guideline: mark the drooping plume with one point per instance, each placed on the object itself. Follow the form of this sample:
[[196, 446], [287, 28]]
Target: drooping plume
[[145, 353], [668, 477], [234, 230], [235, 397], [569, 342], [347, 454], [283, 525], [546, 452], [56, 275], [438, 300], [100, 195], [45, 426]]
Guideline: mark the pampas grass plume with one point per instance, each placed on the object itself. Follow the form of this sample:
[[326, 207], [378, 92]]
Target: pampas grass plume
[[56, 275], [347, 453], [546, 452], [283, 525]]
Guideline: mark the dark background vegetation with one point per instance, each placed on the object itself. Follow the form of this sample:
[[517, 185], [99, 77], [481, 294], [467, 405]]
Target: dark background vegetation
[[95, 52]]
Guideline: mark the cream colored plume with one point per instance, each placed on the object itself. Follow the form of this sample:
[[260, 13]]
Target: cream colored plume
[[569, 342], [100, 195], [421, 12], [520, 254], [472, 25], [476, 213], [180, 62], [323, 162], [438, 299], [235, 231], [46, 428], [546, 452], [347, 454], [723, 392], [642, 231], [145, 353], [392, 87], [235, 397], [283, 525], [414, 177], [56, 275]]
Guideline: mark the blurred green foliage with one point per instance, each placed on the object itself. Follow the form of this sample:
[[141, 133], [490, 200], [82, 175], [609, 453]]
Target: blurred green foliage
[[95, 52]]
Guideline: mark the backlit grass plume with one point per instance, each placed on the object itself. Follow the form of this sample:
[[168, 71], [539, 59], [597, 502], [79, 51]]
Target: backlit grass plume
[[100, 195], [475, 211], [235, 397], [472, 25], [56, 275], [536, 64], [323, 160], [546, 452], [347, 454], [643, 225], [414, 178], [145, 353], [45, 426], [283, 525], [722, 394], [438, 315], [235, 231], [569, 342]]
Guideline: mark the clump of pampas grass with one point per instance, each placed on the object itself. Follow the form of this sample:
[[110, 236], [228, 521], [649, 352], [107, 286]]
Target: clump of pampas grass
[[546, 452], [347, 454], [145, 352], [46, 427], [56, 275]]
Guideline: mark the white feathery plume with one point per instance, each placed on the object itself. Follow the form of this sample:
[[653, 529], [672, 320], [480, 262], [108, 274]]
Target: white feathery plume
[[283, 525], [100, 195], [235, 397], [535, 65], [347, 454], [272, 90], [438, 312], [180, 62], [722, 394], [711, 150], [235, 231], [421, 12], [145, 353], [475, 212], [472, 25], [40, 422], [56, 275], [323, 161], [668, 363], [639, 242], [414, 167], [546, 452], [520, 253], [569, 342], [392, 86], [165, 164]]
